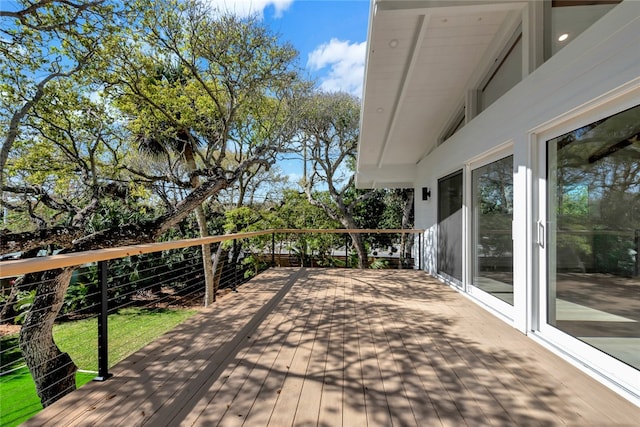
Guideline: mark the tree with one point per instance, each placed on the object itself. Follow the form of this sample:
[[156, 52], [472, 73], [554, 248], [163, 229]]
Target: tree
[[62, 174], [387, 209], [230, 77], [42, 42], [171, 138], [296, 212], [236, 73], [329, 130]]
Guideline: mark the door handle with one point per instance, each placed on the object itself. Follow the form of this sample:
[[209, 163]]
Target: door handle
[[541, 234]]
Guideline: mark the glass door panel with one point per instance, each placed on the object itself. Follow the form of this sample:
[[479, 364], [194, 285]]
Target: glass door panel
[[593, 236], [492, 244], [450, 226]]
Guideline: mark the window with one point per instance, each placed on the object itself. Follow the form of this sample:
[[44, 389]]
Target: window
[[506, 73], [456, 124], [569, 18]]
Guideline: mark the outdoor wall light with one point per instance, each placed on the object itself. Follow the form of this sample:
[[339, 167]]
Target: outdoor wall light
[[426, 193], [563, 37]]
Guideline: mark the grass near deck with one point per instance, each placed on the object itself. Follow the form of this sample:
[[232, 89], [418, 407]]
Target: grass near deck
[[129, 330]]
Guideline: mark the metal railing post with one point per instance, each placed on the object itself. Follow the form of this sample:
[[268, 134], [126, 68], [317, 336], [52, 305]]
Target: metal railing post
[[236, 257], [346, 251], [419, 251], [273, 249], [103, 335], [637, 241]]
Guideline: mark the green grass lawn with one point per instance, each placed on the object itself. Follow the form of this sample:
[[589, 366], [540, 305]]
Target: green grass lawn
[[18, 398], [129, 330]]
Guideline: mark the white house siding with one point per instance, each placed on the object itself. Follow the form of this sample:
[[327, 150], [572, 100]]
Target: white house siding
[[594, 76]]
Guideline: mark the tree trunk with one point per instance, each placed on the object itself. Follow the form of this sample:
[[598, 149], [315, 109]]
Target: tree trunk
[[7, 305], [52, 370], [406, 245], [361, 250], [358, 242], [209, 291], [217, 268]]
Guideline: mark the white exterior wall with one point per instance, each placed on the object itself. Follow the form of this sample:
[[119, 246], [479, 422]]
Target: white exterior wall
[[594, 76]]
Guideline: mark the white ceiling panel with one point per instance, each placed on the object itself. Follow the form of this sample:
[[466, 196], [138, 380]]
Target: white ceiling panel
[[421, 57]]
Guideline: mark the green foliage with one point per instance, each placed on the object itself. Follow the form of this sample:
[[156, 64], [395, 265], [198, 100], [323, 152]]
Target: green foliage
[[148, 272], [114, 213], [369, 212], [243, 219], [83, 293], [379, 264], [204, 89], [253, 264], [24, 300], [295, 211]]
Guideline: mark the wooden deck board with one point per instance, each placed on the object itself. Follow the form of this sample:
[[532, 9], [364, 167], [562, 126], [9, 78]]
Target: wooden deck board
[[255, 398], [338, 347], [354, 401], [376, 404], [390, 363], [286, 405], [218, 393], [308, 407]]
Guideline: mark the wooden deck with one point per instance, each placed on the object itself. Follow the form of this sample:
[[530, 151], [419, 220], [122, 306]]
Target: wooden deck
[[317, 347]]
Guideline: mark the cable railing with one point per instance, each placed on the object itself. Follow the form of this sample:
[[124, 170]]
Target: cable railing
[[117, 300]]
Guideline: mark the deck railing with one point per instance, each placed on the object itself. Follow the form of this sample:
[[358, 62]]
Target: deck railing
[[119, 299]]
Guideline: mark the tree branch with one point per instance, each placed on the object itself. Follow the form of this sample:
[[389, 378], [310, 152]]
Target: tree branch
[[20, 242], [24, 14]]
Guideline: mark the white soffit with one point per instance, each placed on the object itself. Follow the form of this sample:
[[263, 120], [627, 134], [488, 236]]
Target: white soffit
[[422, 56]]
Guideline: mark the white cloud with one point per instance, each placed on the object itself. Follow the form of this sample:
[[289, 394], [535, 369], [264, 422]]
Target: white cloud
[[346, 65], [250, 7]]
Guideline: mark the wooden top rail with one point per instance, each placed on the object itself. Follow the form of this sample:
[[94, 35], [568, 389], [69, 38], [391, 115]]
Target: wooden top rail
[[346, 230], [32, 265]]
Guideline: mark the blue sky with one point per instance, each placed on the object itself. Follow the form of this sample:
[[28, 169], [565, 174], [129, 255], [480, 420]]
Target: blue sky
[[329, 34]]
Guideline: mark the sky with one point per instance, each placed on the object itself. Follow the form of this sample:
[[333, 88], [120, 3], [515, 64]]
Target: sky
[[330, 35]]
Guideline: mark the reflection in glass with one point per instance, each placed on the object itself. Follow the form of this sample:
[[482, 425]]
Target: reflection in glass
[[450, 226], [492, 241], [594, 234]]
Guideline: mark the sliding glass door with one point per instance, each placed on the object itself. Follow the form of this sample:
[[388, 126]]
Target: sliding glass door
[[491, 223], [591, 246]]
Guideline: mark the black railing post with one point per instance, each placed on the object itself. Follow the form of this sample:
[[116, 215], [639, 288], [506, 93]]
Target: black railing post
[[103, 336], [637, 239], [346, 251], [236, 257], [273, 249], [420, 251]]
